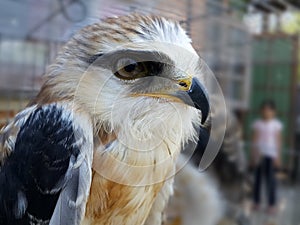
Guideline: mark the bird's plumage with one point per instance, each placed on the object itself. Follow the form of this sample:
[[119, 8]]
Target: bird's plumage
[[49, 168], [130, 121]]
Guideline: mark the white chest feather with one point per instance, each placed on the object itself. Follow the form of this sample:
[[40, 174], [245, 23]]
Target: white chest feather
[[112, 202], [132, 167]]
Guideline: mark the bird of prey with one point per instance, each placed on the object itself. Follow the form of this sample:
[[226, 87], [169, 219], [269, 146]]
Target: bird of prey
[[99, 143]]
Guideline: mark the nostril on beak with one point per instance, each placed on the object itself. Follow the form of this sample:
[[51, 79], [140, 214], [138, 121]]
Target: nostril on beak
[[183, 84]]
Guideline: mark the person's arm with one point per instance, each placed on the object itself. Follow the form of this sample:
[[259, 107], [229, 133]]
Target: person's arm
[[254, 158], [279, 148]]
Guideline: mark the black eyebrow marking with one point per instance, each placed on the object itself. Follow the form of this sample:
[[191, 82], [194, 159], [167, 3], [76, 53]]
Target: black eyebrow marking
[[92, 58], [138, 55]]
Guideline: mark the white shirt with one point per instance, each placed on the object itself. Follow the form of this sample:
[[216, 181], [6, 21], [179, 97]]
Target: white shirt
[[267, 133]]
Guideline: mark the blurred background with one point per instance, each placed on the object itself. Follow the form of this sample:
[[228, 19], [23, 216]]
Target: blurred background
[[252, 47]]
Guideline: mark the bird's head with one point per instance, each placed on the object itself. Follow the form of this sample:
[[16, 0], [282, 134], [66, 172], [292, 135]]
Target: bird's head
[[136, 75]]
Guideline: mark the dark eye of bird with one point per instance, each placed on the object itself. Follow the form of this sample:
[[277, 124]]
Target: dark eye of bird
[[131, 67]]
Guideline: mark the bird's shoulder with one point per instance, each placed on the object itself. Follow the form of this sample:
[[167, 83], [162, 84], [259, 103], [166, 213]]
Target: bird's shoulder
[[8, 133], [62, 116]]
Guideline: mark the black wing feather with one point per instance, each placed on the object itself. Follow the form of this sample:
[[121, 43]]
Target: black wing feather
[[30, 176]]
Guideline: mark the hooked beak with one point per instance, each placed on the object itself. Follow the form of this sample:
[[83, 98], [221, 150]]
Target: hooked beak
[[194, 94]]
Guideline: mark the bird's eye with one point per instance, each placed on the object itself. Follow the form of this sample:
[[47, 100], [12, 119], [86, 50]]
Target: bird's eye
[[129, 69]]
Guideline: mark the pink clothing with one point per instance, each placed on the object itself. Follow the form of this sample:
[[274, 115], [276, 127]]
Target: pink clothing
[[267, 132]]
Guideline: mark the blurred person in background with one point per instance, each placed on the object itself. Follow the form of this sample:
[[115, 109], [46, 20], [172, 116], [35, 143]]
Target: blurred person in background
[[265, 154]]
